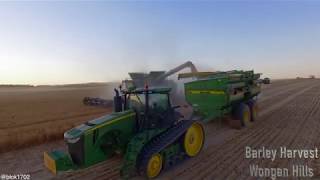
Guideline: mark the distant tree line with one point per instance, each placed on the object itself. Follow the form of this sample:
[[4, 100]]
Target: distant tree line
[[16, 85]]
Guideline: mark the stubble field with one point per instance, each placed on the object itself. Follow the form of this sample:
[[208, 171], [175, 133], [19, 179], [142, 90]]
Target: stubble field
[[33, 115]]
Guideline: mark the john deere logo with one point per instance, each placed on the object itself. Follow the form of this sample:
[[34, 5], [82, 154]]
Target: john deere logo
[[206, 92]]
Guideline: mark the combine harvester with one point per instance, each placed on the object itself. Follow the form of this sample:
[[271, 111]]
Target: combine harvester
[[138, 80], [149, 131]]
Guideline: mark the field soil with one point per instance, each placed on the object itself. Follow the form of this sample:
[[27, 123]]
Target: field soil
[[289, 116]]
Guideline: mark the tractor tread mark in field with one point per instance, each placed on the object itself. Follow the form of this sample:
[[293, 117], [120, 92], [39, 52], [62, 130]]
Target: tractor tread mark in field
[[258, 139], [255, 142], [298, 141], [233, 146]]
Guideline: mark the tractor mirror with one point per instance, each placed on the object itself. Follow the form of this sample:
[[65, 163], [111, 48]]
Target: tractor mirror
[[117, 101]]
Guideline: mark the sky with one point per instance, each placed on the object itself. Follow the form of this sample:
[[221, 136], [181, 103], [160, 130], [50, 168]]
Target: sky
[[77, 42]]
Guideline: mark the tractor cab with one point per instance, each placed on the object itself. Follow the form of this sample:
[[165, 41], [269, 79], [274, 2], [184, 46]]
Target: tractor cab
[[152, 106]]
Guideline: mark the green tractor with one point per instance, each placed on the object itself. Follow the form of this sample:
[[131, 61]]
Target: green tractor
[[149, 132], [144, 127]]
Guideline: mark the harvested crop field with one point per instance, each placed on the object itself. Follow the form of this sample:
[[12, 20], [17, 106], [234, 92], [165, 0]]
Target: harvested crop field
[[289, 116], [33, 115]]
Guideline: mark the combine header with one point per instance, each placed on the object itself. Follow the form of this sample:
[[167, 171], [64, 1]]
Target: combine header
[[89, 101], [146, 127]]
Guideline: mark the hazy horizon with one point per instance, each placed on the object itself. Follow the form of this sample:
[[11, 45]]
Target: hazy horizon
[[49, 43], [119, 81]]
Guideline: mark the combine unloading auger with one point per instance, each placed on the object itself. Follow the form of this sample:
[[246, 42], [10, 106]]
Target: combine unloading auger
[[156, 78], [188, 64]]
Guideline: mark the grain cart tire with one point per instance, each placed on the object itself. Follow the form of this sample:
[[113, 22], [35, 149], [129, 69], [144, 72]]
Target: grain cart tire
[[254, 109], [242, 112], [194, 139]]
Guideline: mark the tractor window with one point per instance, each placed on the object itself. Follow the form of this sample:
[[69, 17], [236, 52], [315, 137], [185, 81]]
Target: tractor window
[[137, 101], [158, 101]]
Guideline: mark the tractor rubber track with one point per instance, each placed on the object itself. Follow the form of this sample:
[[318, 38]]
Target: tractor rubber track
[[161, 142]]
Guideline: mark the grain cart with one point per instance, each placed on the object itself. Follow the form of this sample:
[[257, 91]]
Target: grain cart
[[216, 94], [144, 127]]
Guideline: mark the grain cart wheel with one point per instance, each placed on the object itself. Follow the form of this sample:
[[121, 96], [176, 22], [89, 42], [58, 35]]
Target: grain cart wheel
[[243, 114], [253, 105], [154, 165], [193, 139]]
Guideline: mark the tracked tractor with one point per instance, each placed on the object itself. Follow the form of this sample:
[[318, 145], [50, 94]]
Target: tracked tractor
[[148, 131], [144, 127]]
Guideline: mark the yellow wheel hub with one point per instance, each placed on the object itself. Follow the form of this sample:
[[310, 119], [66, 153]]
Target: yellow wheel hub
[[154, 165], [193, 140], [247, 118]]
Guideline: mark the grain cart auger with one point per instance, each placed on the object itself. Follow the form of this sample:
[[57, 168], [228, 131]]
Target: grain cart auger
[[213, 95], [144, 127]]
